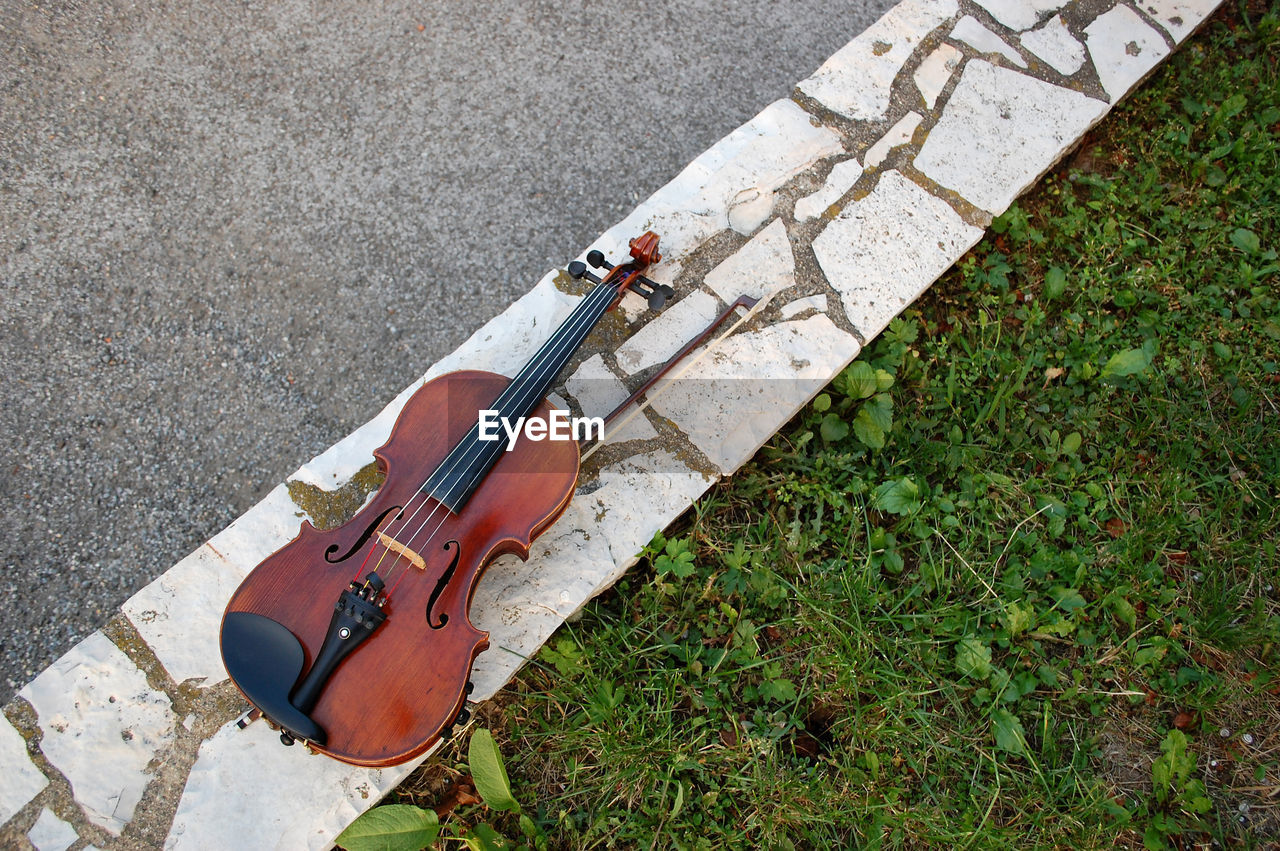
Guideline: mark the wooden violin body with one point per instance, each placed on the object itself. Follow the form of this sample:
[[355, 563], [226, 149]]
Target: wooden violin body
[[390, 700], [357, 640]]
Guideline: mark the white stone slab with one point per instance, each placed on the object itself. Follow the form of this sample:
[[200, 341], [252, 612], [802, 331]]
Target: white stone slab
[[801, 305], [1000, 131], [1020, 14], [179, 614], [1123, 49], [102, 724], [260, 531], [984, 40], [857, 80], [899, 134], [585, 551], [886, 249], [51, 833], [663, 336], [932, 74], [246, 790], [598, 392], [762, 268], [731, 185], [734, 399], [1179, 17], [20, 781], [842, 178], [1055, 44]]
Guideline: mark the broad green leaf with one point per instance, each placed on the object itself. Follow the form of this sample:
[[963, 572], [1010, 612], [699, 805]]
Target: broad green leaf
[[867, 430], [394, 827], [1128, 362], [973, 658], [1055, 283], [489, 773], [1068, 599], [1246, 240], [860, 380], [1018, 618], [822, 403], [1149, 655], [884, 380], [834, 428], [880, 409], [1009, 733], [1071, 443], [1124, 611], [898, 496], [484, 838]]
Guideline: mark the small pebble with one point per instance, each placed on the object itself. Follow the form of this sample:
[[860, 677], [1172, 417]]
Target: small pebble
[[1247, 738], [1243, 808], [1197, 576], [1225, 732]]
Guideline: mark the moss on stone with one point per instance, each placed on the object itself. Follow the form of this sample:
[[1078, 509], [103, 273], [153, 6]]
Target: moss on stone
[[330, 509]]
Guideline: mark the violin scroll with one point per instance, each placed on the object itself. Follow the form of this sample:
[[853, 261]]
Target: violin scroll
[[629, 276]]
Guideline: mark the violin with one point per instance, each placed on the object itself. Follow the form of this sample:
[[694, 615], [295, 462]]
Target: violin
[[357, 640]]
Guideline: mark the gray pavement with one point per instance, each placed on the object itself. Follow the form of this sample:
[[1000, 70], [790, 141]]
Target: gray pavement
[[231, 232]]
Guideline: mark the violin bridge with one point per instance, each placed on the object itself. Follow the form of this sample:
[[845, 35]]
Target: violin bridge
[[400, 549]]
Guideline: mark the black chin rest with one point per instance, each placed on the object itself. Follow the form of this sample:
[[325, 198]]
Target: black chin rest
[[265, 660]]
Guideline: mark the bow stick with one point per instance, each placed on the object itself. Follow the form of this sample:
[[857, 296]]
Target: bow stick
[[753, 305]]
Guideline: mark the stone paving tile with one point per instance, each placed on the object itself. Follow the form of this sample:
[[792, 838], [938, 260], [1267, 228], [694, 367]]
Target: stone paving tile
[[734, 400], [179, 615], [800, 305], [762, 268], [247, 791], [1123, 48], [598, 391], [933, 74], [881, 252], [1055, 44], [1020, 14], [843, 176], [662, 337], [51, 833], [731, 185], [20, 781], [897, 136], [102, 724], [984, 40], [856, 81], [1000, 131], [1179, 17]]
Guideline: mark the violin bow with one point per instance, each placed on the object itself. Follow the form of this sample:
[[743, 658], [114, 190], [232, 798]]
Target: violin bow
[[753, 305]]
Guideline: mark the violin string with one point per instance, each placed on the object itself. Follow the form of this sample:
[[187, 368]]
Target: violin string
[[586, 321], [543, 354]]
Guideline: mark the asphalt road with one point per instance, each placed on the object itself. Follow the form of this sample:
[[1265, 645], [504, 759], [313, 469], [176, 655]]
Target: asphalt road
[[231, 232]]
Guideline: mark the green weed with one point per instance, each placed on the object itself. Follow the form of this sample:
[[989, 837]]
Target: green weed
[[1010, 581]]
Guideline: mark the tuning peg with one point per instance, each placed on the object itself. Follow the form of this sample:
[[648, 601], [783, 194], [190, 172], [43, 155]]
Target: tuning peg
[[658, 298], [596, 258], [577, 269]]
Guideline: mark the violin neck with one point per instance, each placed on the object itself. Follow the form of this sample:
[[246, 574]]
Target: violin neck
[[461, 472]]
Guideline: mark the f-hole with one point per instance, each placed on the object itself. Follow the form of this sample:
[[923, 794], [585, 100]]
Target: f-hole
[[368, 533], [440, 586]]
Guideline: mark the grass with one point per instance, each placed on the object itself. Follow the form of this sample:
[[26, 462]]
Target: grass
[[1011, 581]]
